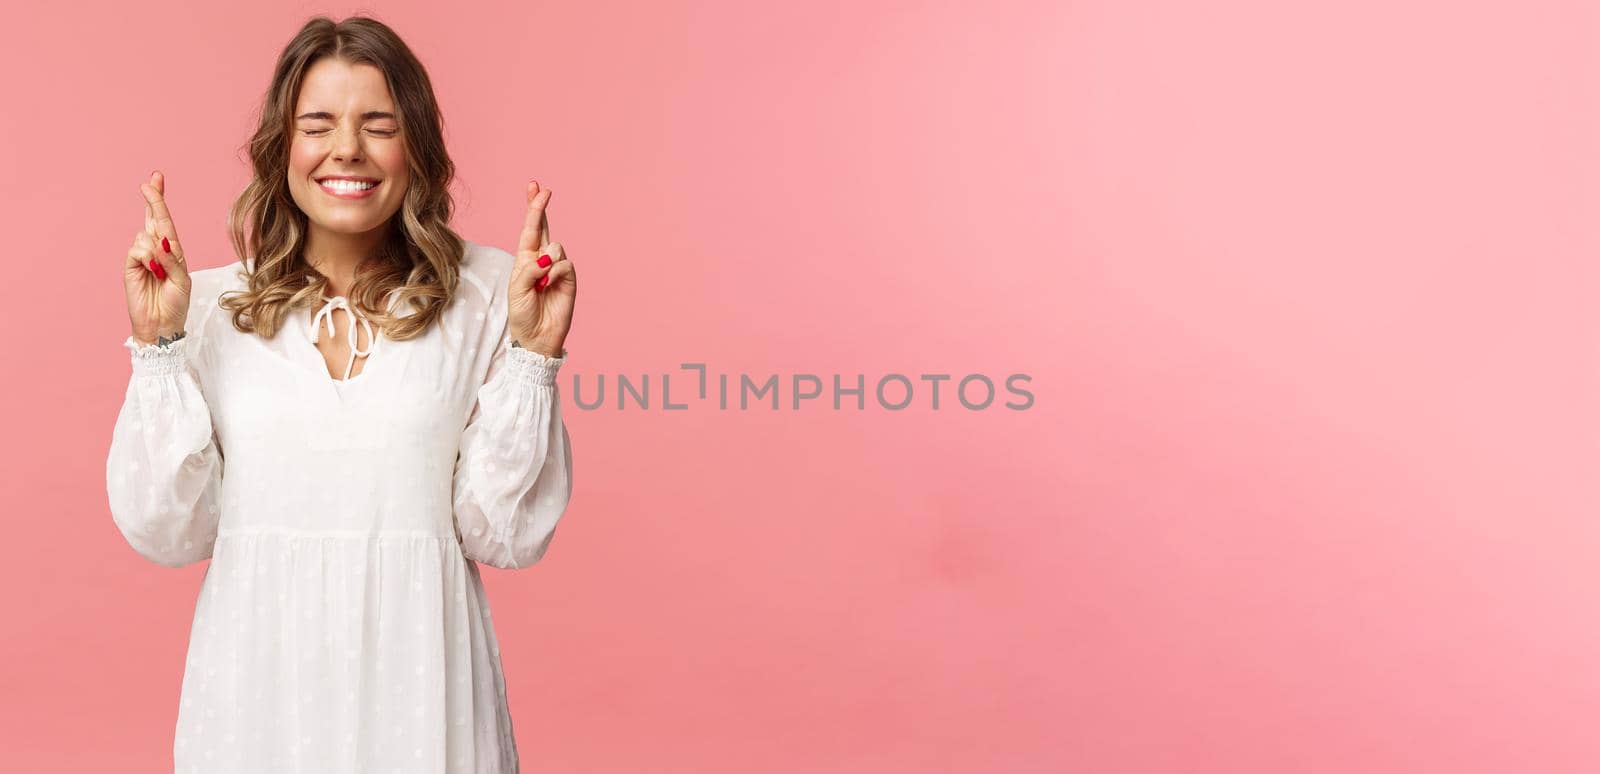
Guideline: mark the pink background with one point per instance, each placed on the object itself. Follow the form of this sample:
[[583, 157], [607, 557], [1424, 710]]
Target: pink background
[[1306, 291]]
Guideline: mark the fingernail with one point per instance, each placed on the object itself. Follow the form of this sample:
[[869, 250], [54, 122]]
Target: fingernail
[[161, 272], [544, 260], [541, 283], [166, 248]]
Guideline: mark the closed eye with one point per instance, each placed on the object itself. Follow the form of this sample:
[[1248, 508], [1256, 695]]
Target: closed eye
[[379, 132]]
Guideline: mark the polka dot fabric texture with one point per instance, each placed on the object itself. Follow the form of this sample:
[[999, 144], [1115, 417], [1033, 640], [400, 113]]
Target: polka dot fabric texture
[[341, 624]]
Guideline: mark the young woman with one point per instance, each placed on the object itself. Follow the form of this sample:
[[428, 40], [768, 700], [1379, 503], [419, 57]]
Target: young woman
[[345, 423]]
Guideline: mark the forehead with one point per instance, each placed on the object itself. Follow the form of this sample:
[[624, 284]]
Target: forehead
[[337, 86]]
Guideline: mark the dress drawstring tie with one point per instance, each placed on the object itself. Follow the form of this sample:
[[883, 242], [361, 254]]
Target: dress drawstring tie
[[326, 313]]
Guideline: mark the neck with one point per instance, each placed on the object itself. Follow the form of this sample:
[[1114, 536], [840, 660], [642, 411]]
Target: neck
[[337, 255]]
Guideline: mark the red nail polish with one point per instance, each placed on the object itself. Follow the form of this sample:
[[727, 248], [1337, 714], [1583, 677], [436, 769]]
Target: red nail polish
[[166, 247], [544, 260], [541, 283], [161, 271]]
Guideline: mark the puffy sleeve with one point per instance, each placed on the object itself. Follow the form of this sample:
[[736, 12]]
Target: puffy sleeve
[[513, 475], [164, 468]]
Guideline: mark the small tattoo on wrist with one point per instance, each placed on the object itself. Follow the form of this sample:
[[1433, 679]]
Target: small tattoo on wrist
[[518, 345]]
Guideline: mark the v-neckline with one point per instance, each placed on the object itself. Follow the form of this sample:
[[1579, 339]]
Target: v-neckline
[[319, 364]]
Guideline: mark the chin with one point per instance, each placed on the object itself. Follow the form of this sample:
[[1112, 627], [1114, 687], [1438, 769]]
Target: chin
[[340, 225]]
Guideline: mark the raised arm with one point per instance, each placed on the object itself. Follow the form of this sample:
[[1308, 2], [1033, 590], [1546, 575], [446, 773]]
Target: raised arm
[[513, 477], [164, 467]]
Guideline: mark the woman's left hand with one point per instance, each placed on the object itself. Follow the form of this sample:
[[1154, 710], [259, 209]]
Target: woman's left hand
[[544, 286]]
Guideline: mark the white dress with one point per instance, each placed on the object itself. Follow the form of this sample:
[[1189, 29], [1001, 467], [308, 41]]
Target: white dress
[[341, 625]]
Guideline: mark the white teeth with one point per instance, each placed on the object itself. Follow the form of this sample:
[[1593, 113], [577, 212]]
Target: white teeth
[[346, 185]]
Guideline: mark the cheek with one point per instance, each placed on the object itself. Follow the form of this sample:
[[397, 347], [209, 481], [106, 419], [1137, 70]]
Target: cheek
[[303, 158], [393, 162]]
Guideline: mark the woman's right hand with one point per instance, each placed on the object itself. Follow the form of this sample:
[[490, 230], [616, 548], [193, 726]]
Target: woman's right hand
[[155, 276]]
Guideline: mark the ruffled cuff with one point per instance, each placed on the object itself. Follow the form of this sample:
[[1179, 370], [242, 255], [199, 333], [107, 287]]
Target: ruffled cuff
[[532, 367], [157, 359]]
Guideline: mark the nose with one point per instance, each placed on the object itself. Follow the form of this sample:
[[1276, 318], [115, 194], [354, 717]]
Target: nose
[[347, 144]]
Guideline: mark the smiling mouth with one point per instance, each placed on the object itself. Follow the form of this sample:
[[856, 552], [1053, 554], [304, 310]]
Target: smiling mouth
[[349, 189], [347, 186]]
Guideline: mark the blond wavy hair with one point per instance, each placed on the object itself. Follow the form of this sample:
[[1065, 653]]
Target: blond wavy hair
[[421, 259]]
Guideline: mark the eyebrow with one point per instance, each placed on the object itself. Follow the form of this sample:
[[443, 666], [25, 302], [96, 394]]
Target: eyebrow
[[324, 115]]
